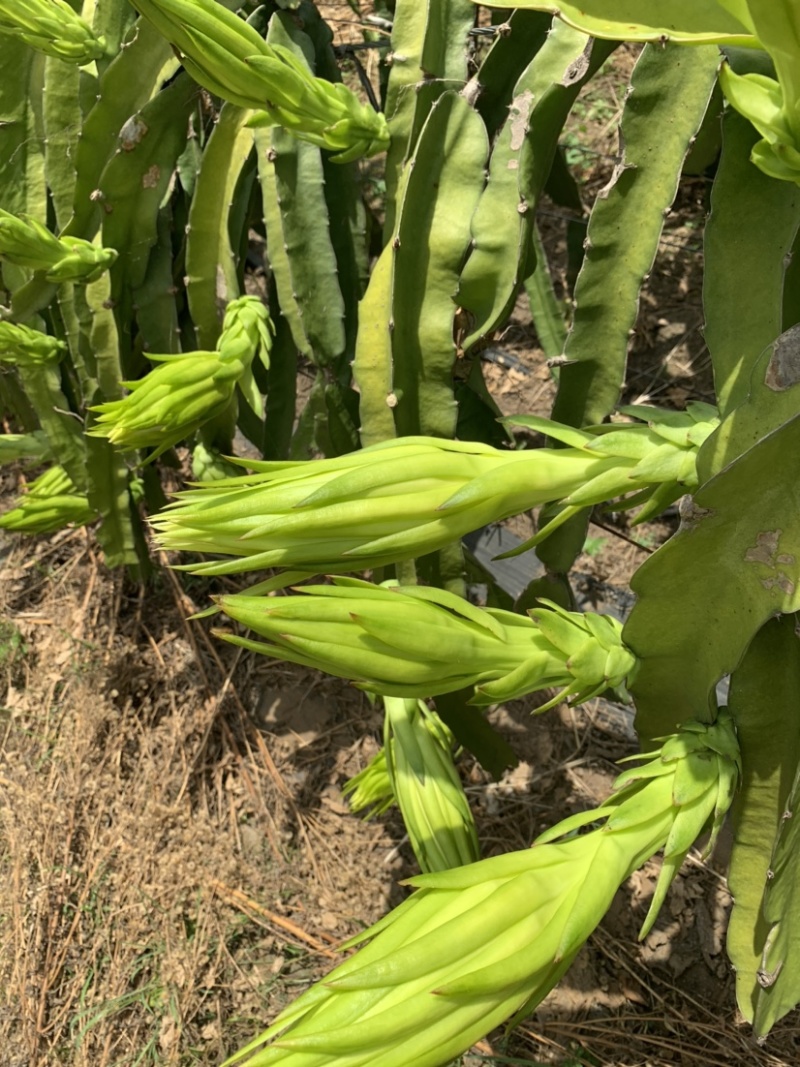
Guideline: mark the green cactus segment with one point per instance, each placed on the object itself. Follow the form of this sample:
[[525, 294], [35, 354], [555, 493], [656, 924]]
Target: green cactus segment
[[298, 226], [62, 124], [134, 184], [521, 161], [670, 90], [425, 782], [156, 309], [22, 129], [407, 640], [753, 223], [51, 502], [112, 20], [212, 271], [42, 385], [476, 945], [129, 82], [763, 702], [723, 564], [517, 42], [681, 21], [779, 974], [546, 311], [440, 193], [52, 27], [404, 498], [428, 56], [372, 366]]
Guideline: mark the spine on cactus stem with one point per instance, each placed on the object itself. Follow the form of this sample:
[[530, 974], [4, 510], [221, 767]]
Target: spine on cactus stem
[[477, 945], [411, 496]]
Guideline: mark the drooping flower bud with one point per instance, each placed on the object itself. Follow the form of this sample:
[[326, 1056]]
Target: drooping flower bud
[[425, 782], [410, 496], [407, 641], [27, 243], [25, 347], [184, 391], [476, 945], [51, 502], [24, 447], [226, 55], [52, 27]]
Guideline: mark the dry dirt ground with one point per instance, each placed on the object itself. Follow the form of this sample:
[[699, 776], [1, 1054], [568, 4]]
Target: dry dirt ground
[[176, 857]]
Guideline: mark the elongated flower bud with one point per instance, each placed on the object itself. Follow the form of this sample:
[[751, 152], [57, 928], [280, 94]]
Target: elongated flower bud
[[427, 787], [27, 243], [410, 640], [228, 57], [407, 497], [184, 391], [24, 447], [479, 944], [52, 27], [25, 347], [51, 502]]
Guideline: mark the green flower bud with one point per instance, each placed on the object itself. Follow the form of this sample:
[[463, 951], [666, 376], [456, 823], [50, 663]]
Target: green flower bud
[[51, 502], [476, 945], [24, 447], [370, 790], [404, 641], [426, 785], [227, 56], [25, 347], [52, 27], [26, 243], [170, 403], [411, 496]]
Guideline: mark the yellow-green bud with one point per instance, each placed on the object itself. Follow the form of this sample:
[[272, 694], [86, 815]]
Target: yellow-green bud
[[52, 27], [51, 502], [27, 243], [411, 496], [227, 56], [425, 782], [25, 347], [476, 945], [405, 641]]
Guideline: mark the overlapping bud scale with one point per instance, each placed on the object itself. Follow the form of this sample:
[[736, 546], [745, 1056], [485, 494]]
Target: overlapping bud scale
[[479, 944], [406, 640], [25, 347]]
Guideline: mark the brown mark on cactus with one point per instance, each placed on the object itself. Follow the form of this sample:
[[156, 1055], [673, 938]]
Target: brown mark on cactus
[[783, 369]]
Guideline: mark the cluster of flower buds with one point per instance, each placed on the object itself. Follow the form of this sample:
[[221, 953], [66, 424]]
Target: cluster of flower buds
[[51, 502], [184, 391], [25, 347], [52, 27], [476, 945], [227, 56], [411, 496], [27, 243], [406, 640]]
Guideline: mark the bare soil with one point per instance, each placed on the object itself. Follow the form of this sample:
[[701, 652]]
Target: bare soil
[[176, 858]]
